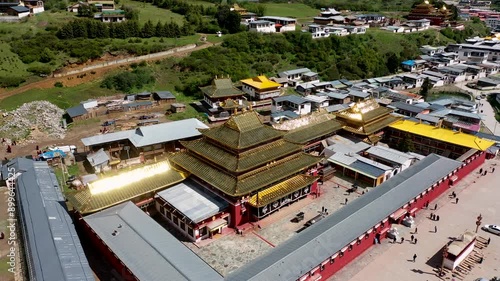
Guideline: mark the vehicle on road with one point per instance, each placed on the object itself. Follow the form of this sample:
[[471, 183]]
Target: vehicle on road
[[495, 229]]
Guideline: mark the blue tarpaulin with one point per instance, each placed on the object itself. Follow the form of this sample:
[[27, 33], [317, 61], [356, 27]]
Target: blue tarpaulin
[[52, 154]]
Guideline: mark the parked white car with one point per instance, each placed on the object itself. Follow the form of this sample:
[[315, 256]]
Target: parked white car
[[495, 229]]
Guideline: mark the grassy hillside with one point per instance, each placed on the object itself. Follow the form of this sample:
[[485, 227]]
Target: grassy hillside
[[293, 10], [153, 13]]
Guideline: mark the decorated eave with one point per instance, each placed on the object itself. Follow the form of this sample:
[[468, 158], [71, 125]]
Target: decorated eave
[[242, 131], [244, 161], [281, 190], [123, 187], [374, 127], [221, 88], [247, 183]]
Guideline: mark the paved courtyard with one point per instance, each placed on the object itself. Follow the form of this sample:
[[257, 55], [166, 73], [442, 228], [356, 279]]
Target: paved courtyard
[[477, 195], [228, 252]]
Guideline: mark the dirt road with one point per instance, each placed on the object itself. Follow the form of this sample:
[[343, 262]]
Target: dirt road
[[72, 80]]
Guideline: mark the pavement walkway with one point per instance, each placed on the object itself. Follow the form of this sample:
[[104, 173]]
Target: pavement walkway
[[477, 195]]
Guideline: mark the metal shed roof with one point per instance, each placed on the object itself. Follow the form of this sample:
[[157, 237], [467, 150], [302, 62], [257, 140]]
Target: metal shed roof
[[390, 154], [291, 98], [76, 111], [98, 158], [52, 247], [166, 132], [147, 249], [164, 94], [318, 243], [407, 107], [293, 72], [189, 199]]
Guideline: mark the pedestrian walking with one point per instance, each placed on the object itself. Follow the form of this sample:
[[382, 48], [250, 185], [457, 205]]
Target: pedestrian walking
[[415, 241], [493, 170], [436, 207], [432, 216], [437, 218], [412, 237], [456, 200], [416, 230], [402, 240], [435, 229], [394, 240], [481, 171], [37, 148], [489, 240], [346, 200], [453, 194], [414, 257]]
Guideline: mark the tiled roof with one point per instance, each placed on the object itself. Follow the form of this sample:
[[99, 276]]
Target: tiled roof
[[242, 131], [86, 202], [249, 182], [313, 131], [221, 87], [244, 161], [374, 127]]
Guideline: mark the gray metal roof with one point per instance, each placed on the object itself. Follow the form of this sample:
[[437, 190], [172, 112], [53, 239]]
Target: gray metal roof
[[407, 107], [358, 94], [293, 72], [166, 132], [147, 249], [190, 199], [14, 166], [389, 154], [51, 243], [427, 118], [137, 103], [316, 244], [360, 164], [291, 98], [164, 94], [76, 111], [336, 107], [153, 134], [98, 158]]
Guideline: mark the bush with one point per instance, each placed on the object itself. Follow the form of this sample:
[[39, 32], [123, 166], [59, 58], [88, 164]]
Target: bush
[[40, 69], [6, 82], [128, 81], [58, 85]]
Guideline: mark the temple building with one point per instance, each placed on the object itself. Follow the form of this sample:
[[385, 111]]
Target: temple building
[[366, 119], [221, 98], [310, 131], [250, 165], [425, 10], [261, 88]]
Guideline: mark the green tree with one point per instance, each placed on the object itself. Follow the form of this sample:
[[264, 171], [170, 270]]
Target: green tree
[[426, 87], [406, 144], [148, 30], [228, 20], [392, 62]]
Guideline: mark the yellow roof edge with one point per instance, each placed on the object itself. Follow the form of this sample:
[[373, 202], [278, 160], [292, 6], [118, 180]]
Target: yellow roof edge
[[446, 135]]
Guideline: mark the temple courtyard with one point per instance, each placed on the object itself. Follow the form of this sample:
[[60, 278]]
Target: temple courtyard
[[229, 251], [388, 261]]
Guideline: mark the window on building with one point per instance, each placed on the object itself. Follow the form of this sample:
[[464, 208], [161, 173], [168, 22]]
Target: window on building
[[321, 267], [183, 225], [190, 232], [175, 220], [332, 261], [162, 210], [350, 247], [169, 215]]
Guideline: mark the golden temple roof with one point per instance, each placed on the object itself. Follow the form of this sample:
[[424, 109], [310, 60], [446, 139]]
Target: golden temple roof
[[368, 129], [243, 161], [281, 190], [86, 202], [242, 131], [364, 111], [248, 182]]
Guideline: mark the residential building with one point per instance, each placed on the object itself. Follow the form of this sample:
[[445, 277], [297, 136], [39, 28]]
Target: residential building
[[318, 102], [260, 88], [111, 16], [360, 168], [409, 110], [415, 81], [138, 248], [98, 161], [336, 97], [413, 65], [76, 113], [250, 165], [35, 6], [294, 74], [43, 225], [421, 24], [263, 26], [18, 11], [486, 83], [296, 104], [102, 5], [281, 24], [164, 97]]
